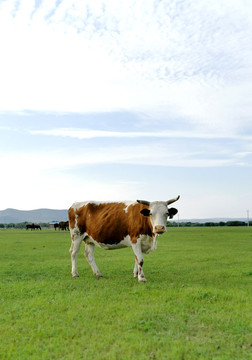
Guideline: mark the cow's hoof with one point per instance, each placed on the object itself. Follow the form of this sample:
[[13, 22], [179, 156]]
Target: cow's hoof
[[75, 275], [98, 275], [142, 279]]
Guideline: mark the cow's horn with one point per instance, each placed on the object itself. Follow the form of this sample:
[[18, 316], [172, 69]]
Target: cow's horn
[[144, 202], [172, 200]]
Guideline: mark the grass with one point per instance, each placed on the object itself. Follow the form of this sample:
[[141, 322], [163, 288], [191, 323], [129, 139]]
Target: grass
[[197, 303]]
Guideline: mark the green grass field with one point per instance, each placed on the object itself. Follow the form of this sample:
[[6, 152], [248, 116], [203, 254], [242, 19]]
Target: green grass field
[[196, 304]]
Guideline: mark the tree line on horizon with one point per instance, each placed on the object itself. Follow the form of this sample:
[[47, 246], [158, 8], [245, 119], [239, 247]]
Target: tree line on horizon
[[22, 225], [209, 223]]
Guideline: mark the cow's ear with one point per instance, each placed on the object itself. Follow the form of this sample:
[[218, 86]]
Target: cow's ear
[[172, 212], [145, 212]]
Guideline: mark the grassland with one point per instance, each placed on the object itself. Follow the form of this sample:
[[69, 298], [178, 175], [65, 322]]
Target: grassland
[[197, 303]]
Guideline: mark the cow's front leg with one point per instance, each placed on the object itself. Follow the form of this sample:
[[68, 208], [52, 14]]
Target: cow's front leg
[[74, 250], [135, 271], [139, 261]]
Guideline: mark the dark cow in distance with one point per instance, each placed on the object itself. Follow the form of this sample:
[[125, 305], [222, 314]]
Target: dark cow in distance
[[33, 226], [55, 225], [64, 225], [117, 225]]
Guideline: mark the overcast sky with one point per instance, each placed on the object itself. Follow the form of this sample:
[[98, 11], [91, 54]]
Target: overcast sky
[[121, 100]]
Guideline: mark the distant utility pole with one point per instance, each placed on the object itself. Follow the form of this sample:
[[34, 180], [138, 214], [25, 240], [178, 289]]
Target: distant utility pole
[[248, 216]]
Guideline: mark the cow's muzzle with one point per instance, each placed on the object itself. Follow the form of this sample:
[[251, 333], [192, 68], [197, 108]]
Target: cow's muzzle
[[159, 229]]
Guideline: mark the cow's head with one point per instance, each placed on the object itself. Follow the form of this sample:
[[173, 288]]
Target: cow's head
[[159, 212]]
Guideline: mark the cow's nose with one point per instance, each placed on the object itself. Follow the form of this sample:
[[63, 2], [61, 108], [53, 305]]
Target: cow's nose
[[159, 229]]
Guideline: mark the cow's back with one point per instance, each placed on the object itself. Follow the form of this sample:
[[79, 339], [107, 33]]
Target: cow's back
[[109, 223]]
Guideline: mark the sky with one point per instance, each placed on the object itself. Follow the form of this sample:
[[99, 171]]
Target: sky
[[140, 99]]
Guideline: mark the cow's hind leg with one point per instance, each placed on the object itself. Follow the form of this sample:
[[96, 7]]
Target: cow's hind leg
[[74, 250], [89, 253]]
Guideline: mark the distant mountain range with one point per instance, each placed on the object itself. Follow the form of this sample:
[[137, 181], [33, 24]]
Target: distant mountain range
[[34, 216], [214, 220], [47, 215]]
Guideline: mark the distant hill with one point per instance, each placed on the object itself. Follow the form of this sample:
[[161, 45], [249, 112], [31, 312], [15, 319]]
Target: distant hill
[[47, 215], [35, 216]]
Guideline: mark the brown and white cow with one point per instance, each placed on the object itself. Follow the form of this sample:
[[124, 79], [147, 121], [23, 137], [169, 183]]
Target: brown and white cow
[[117, 225]]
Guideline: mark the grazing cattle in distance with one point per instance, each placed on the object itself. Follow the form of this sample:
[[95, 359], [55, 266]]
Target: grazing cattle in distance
[[117, 225], [33, 226], [64, 225], [37, 227], [56, 225]]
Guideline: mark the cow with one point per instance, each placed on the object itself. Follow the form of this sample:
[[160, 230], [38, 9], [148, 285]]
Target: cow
[[33, 226], [55, 225], [37, 226], [63, 225], [117, 225]]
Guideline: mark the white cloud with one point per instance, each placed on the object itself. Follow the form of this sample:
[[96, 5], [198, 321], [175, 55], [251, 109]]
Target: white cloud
[[157, 154], [181, 58], [90, 134]]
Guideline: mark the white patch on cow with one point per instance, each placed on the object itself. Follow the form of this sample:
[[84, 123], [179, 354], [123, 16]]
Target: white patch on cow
[[148, 243], [78, 205], [126, 242], [127, 204]]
